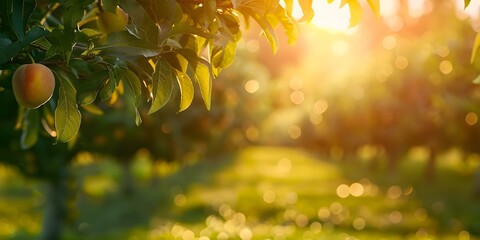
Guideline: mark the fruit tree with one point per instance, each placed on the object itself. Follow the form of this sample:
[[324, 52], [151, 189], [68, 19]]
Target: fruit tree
[[61, 60]]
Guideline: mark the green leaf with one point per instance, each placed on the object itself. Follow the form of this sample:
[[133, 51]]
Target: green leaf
[[13, 48], [476, 47], [67, 115], [375, 6], [204, 80], [135, 88], [89, 87], [163, 79], [268, 30], [186, 90], [476, 80], [289, 7], [355, 12], [291, 29], [17, 18], [31, 125], [202, 73], [110, 5], [125, 43], [185, 28], [109, 87], [466, 3], [307, 10], [223, 56], [210, 8], [133, 82]]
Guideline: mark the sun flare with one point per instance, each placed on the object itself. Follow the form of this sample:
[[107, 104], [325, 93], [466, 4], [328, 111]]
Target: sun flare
[[328, 16]]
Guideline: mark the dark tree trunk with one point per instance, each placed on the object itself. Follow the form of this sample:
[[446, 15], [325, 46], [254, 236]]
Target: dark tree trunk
[[54, 210]]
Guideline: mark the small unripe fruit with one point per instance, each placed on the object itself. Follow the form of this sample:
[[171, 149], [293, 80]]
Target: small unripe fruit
[[108, 22], [33, 85]]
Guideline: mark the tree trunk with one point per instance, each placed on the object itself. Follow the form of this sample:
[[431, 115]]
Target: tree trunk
[[54, 210]]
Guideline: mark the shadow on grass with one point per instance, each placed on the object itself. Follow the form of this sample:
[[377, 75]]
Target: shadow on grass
[[118, 212]]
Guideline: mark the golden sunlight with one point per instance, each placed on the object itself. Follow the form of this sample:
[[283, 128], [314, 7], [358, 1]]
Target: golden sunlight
[[328, 16]]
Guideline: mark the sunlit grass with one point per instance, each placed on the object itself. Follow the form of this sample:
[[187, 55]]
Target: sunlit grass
[[270, 193]]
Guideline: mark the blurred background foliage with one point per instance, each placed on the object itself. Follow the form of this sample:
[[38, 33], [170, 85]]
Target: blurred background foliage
[[363, 133]]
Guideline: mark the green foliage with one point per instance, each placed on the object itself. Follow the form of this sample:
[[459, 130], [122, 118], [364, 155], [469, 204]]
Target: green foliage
[[67, 115], [165, 47]]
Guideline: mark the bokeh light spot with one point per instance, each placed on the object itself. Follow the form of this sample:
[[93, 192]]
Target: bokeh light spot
[[316, 227], [284, 165], [471, 118], [395, 217], [336, 207], [445, 67], [297, 97], [252, 133], [323, 213], [320, 106], [394, 192], [343, 190], [301, 220], [401, 62], [245, 234], [188, 235], [359, 224], [294, 131], [464, 235], [180, 200], [269, 196], [252, 86], [356, 189]]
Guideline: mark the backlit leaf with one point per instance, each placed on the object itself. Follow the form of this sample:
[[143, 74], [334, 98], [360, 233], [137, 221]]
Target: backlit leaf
[[163, 79], [204, 80], [466, 3], [133, 82], [67, 115], [268, 30], [476, 80], [185, 28], [307, 10], [355, 12], [186, 90], [476, 47], [202, 73], [375, 6], [109, 87]]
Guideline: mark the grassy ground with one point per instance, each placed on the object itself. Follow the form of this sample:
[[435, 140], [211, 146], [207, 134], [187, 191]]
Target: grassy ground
[[259, 193]]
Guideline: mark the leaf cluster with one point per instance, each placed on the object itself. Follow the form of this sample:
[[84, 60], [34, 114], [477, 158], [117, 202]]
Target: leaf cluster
[[168, 50]]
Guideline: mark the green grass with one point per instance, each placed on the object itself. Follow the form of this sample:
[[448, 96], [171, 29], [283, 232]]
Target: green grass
[[261, 193]]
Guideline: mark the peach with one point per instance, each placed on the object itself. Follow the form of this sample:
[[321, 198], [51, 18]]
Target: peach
[[33, 85]]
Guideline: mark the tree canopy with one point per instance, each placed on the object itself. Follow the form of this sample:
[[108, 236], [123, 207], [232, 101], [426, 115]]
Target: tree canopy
[[148, 53]]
